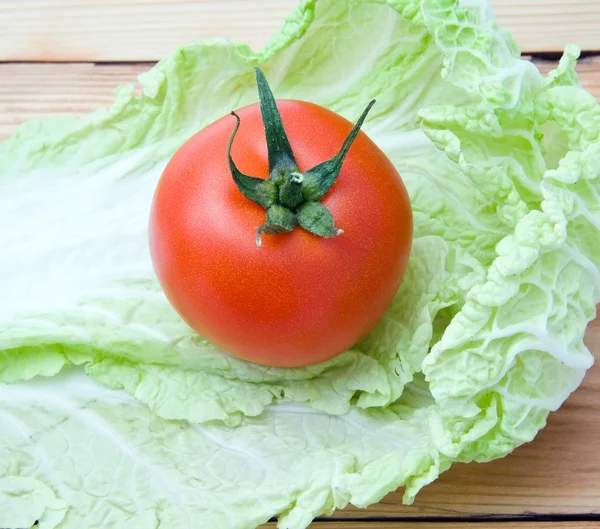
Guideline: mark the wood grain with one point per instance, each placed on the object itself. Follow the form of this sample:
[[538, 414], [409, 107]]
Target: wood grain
[[557, 473], [549, 25], [147, 30], [42, 90]]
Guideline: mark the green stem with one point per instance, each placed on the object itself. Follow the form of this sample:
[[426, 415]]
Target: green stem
[[290, 192], [290, 197]]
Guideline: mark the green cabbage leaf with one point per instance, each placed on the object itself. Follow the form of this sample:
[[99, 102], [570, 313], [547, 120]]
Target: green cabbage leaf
[[114, 413]]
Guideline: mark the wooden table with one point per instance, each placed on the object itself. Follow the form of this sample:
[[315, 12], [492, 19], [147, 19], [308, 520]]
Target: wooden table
[[554, 482]]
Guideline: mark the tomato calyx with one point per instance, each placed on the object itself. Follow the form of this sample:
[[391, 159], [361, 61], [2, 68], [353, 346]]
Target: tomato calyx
[[290, 197]]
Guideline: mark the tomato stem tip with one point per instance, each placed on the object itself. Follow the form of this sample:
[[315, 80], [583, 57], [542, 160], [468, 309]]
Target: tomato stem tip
[[290, 197]]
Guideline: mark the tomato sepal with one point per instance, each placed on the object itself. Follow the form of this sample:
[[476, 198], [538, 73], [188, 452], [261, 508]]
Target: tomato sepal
[[316, 218], [319, 179], [259, 190], [290, 197], [281, 156], [279, 220]]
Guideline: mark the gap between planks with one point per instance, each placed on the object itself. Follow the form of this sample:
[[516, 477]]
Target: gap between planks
[[445, 525], [528, 521]]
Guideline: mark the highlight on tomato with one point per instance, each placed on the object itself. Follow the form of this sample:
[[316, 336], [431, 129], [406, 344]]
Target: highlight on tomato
[[281, 232]]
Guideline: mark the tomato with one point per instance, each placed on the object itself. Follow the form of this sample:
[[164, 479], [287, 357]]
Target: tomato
[[300, 298]]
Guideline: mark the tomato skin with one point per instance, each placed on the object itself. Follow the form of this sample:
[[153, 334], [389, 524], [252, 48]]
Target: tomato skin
[[300, 299]]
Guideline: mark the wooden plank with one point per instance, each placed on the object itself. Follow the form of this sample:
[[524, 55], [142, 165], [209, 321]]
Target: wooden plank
[[147, 30], [558, 473], [549, 25], [42, 90], [588, 70]]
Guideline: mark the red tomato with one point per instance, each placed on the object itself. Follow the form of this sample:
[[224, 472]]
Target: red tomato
[[300, 299]]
